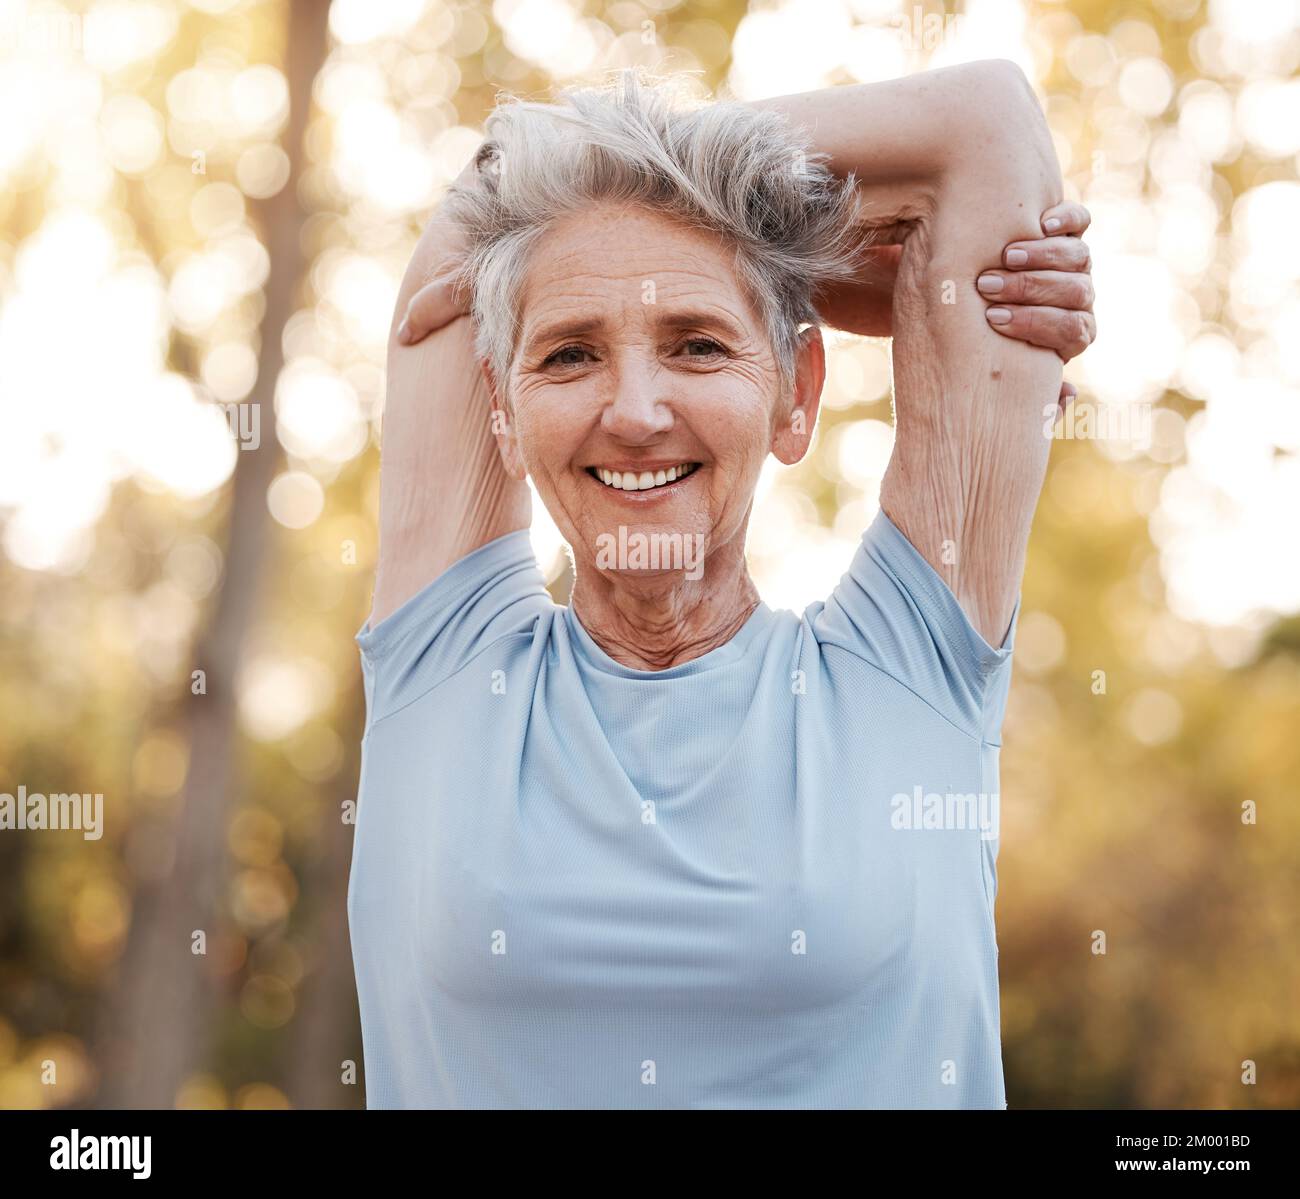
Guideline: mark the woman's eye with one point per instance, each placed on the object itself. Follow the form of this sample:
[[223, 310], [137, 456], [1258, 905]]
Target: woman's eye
[[702, 347], [563, 357]]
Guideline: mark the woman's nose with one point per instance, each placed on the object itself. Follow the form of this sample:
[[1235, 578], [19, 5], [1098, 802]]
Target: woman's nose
[[638, 410]]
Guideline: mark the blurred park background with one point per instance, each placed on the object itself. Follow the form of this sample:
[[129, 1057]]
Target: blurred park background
[[205, 211]]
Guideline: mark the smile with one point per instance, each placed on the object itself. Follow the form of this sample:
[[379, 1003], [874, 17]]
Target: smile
[[646, 480]]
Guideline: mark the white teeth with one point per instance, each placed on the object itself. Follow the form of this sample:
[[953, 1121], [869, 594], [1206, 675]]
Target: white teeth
[[630, 481]]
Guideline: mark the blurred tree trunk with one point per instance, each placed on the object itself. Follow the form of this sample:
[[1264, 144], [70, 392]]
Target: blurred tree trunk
[[161, 1014]]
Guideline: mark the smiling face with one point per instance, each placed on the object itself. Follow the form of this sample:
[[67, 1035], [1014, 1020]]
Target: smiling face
[[644, 395]]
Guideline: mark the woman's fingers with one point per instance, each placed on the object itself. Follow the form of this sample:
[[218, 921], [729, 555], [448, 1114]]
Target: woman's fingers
[[1048, 254], [1063, 219], [1065, 330], [436, 304], [1058, 289], [1045, 295]]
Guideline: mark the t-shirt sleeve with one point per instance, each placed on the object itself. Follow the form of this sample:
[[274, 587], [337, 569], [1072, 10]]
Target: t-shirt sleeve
[[493, 592], [893, 610]]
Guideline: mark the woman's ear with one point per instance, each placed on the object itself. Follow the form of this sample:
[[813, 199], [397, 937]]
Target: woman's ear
[[503, 425], [793, 433]]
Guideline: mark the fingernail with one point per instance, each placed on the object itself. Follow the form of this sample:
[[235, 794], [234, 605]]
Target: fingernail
[[1017, 257], [989, 283], [403, 332], [1052, 224], [998, 316]]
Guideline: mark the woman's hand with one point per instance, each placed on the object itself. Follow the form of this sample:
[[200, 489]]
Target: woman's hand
[[437, 303], [1044, 296], [440, 252]]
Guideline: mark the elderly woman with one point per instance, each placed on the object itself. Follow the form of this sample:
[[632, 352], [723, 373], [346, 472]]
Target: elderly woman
[[665, 846]]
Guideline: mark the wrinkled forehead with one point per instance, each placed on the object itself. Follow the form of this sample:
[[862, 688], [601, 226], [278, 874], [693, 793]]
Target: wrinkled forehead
[[633, 269]]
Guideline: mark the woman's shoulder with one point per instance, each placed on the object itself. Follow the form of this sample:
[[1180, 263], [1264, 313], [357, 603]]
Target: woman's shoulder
[[494, 593]]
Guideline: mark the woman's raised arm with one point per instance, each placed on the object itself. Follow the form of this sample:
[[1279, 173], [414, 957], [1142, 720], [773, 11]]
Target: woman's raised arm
[[955, 164], [443, 491]]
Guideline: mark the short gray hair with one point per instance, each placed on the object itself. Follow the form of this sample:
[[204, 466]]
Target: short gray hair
[[740, 172]]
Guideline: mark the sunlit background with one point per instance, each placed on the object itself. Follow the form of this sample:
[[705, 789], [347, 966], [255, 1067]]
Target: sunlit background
[[206, 211]]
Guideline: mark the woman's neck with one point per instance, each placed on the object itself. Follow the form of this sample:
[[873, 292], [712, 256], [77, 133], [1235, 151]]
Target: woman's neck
[[653, 623]]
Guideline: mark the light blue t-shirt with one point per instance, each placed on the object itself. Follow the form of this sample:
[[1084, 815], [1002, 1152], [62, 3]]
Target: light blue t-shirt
[[763, 878]]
